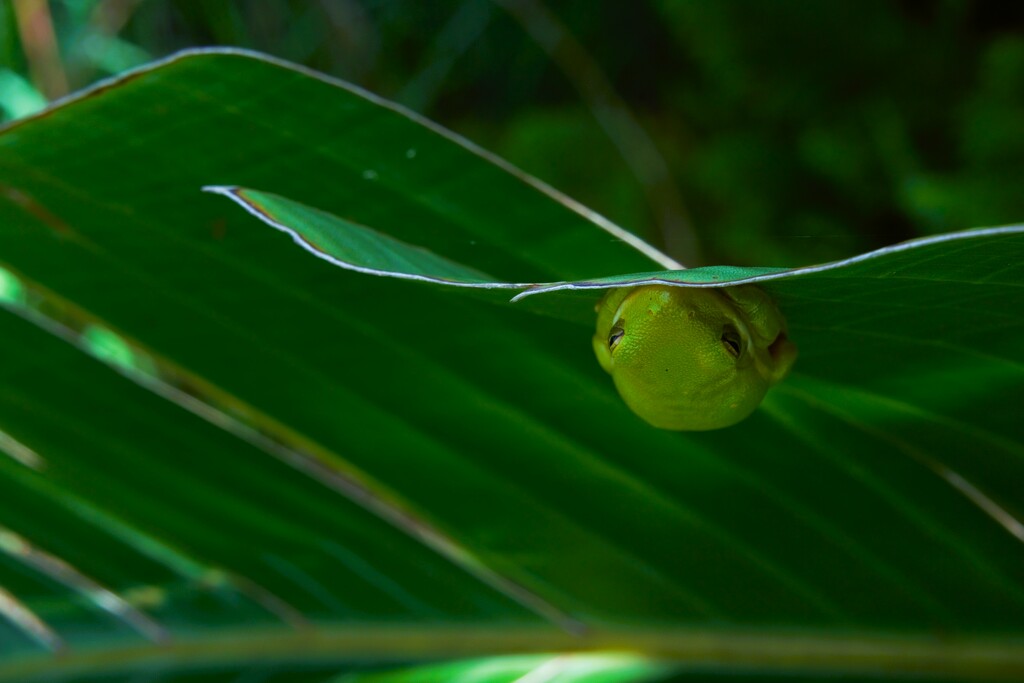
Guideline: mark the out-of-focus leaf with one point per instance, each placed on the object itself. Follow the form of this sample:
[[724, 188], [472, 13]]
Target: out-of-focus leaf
[[618, 668], [17, 96]]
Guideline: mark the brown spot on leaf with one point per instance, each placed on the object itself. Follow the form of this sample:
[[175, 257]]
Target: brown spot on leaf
[[218, 229], [34, 208]]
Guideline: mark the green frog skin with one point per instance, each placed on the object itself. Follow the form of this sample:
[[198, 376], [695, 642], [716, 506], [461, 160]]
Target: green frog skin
[[689, 358]]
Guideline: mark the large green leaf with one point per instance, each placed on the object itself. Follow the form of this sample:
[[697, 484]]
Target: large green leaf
[[299, 463]]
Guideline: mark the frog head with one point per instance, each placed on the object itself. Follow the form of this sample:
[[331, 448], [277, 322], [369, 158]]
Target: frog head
[[688, 358]]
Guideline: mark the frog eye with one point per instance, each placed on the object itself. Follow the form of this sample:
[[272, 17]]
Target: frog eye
[[732, 341], [615, 337]]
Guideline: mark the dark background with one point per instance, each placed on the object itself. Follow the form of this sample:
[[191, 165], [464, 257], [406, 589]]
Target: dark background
[[771, 132]]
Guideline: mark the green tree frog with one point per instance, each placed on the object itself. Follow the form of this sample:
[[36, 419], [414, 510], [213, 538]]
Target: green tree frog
[[689, 358]]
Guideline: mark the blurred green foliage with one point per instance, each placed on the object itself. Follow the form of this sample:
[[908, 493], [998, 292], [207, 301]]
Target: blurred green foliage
[[793, 131]]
